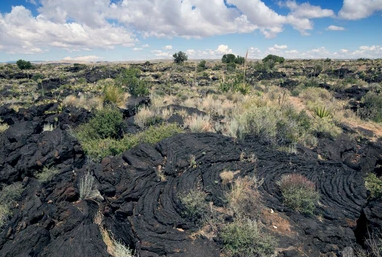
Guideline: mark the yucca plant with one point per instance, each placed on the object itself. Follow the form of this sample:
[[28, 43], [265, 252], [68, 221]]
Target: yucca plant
[[322, 112]]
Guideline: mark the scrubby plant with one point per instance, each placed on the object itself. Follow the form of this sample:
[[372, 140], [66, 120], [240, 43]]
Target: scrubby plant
[[371, 106], [8, 196], [244, 197], [106, 123], [24, 65], [47, 174], [299, 193], [201, 66], [194, 205], [245, 238], [129, 78], [273, 58], [374, 185], [99, 148], [3, 127], [325, 127]]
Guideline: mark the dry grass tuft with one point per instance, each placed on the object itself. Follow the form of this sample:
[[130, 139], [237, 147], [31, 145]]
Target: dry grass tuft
[[198, 123]]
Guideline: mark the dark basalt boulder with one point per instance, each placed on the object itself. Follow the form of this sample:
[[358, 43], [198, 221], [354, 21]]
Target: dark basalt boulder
[[98, 73], [51, 84]]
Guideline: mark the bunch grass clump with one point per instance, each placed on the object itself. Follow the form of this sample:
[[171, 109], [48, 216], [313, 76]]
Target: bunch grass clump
[[198, 123]]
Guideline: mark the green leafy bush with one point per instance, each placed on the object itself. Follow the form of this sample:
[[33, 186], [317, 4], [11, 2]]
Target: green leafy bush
[[201, 66], [180, 57], [371, 107], [106, 123], [195, 205], [299, 193], [273, 58], [374, 185], [244, 238], [130, 78], [24, 65], [231, 58]]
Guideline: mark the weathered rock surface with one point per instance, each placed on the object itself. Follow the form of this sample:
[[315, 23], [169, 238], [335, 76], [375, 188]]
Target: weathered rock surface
[[145, 213]]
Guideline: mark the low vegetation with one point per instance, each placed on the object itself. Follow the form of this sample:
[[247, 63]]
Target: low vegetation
[[299, 193], [8, 196], [98, 148], [245, 238], [47, 174], [194, 205], [374, 185]]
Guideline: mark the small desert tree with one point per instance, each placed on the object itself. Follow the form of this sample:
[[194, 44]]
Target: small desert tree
[[180, 57], [24, 65]]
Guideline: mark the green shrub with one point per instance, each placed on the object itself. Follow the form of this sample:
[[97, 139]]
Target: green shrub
[[244, 238], [154, 134], [130, 78], [273, 58], [326, 127], [99, 148], [195, 205], [372, 107], [8, 196], [106, 123], [180, 57], [201, 66], [299, 193], [24, 65], [36, 77], [374, 185]]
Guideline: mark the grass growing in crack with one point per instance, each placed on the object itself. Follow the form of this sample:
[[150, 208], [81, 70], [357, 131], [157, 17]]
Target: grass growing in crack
[[195, 205], [8, 196], [47, 174], [88, 188], [299, 193]]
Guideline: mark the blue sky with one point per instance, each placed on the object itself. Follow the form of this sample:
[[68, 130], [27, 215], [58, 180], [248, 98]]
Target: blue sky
[[124, 30]]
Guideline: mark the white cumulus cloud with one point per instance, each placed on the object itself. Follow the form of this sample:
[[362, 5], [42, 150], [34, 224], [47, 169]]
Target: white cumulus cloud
[[359, 9], [168, 47], [335, 28]]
